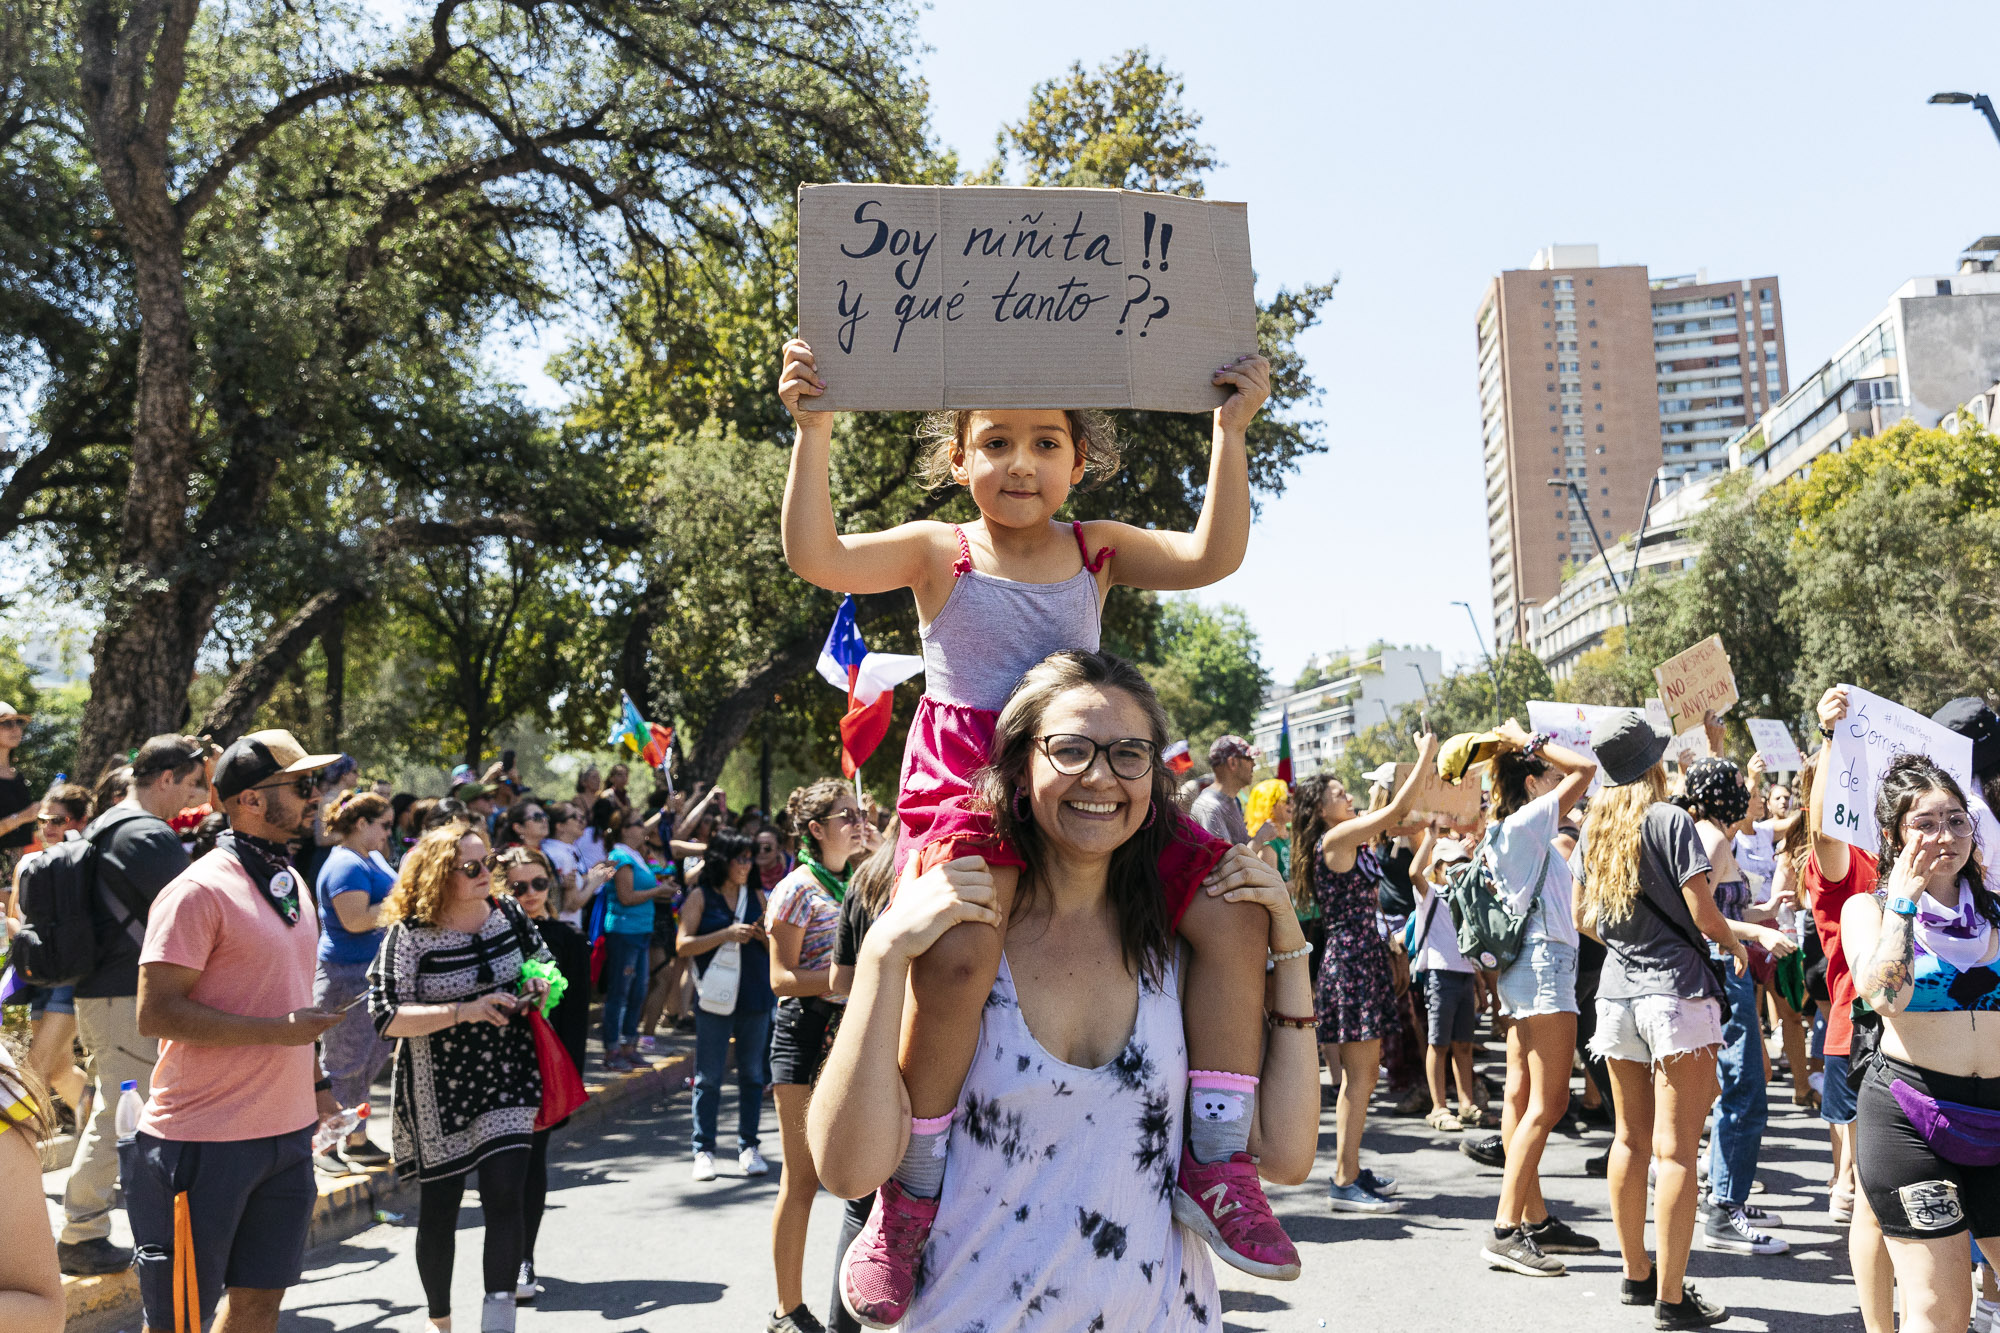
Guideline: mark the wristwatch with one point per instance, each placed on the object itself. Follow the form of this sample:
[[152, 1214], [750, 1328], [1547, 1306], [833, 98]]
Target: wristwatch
[[1902, 906]]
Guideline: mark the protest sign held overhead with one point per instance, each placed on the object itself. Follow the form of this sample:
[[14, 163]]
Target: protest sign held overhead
[[922, 296], [1864, 742], [1458, 802], [1696, 682], [1686, 746], [1775, 745]]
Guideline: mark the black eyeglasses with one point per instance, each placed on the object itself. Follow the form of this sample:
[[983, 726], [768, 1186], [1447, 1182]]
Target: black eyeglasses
[[539, 884], [1130, 756], [741, 859]]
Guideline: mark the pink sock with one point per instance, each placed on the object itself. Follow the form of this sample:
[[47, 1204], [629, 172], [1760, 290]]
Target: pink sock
[[1220, 1105]]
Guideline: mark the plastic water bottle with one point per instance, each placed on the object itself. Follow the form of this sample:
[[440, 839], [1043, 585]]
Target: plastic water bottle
[[334, 1132], [129, 1107]]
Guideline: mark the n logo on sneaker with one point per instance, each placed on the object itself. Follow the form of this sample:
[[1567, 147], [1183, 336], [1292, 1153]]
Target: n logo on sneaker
[[1217, 1198]]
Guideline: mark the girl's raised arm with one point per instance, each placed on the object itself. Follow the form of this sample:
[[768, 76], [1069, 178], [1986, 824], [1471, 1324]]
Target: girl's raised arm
[[1171, 561], [1367, 827], [814, 547]]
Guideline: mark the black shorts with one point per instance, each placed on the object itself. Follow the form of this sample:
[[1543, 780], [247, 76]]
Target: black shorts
[[801, 1035], [250, 1202], [1916, 1194]]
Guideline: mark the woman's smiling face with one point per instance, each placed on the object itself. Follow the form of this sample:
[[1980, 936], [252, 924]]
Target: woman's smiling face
[[1094, 812]]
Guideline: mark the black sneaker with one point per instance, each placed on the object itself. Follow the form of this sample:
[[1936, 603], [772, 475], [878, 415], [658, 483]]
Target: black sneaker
[[799, 1320], [526, 1288], [1485, 1150], [1690, 1312], [92, 1258], [1555, 1236], [367, 1154], [1644, 1292], [1517, 1253]]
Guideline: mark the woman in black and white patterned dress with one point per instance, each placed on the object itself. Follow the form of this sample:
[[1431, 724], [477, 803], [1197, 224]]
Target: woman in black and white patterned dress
[[467, 1085]]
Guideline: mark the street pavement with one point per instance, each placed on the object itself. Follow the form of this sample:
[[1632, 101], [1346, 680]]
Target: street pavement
[[630, 1243]]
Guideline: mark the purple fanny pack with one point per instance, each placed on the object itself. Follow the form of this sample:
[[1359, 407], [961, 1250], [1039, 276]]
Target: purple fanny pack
[[1961, 1134]]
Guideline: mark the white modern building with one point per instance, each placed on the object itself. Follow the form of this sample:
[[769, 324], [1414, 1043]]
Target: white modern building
[[1347, 700]]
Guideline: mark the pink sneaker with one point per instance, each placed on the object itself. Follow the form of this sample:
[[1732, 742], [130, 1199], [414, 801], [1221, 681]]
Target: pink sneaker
[[1223, 1204], [878, 1275]]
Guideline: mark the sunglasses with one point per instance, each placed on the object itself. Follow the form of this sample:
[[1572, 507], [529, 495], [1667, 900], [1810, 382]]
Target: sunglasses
[[473, 869], [521, 888], [844, 817], [305, 788], [1130, 756], [43, 821]]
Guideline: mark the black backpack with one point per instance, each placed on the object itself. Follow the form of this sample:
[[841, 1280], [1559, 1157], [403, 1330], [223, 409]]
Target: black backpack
[[57, 945]]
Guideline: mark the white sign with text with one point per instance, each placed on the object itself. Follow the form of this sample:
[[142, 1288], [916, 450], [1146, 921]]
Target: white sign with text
[[1775, 745], [1864, 743]]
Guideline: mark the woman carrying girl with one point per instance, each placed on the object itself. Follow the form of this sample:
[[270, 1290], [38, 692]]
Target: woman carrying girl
[[1536, 783], [1333, 859], [1648, 896], [1065, 1160], [801, 919], [726, 906], [448, 982], [994, 597]]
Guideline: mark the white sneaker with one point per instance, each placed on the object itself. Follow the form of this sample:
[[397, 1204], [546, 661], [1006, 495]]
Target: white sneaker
[[704, 1166], [752, 1163]]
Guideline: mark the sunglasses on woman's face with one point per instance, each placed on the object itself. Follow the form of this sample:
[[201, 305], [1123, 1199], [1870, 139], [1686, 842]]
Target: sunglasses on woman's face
[[522, 887], [473, 869]]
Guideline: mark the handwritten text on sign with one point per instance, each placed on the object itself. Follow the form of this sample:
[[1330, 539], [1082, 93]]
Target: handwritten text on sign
[[918, 296], [1572, 726], [1873, 733], [1696, 682], [1775, 745]]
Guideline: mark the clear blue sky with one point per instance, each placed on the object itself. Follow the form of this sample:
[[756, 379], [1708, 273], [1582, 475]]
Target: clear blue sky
[[1419, 149]]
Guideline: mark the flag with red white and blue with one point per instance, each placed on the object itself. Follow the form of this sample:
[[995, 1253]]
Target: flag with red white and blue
[[870, 680]]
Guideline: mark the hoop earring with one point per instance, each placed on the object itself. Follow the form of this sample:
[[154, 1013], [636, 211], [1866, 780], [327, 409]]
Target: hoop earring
[[1152, 812], [1022, 813]]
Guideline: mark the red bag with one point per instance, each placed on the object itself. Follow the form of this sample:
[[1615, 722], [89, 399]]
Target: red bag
[[598, 949], [562, 1086]]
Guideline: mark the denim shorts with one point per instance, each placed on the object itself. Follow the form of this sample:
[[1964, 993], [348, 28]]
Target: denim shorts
[[51, 1000], [1451, 1016], [1838, 1103], [1647, 1029], [1542, 980]]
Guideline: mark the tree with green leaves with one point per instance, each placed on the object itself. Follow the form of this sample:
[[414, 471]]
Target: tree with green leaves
[[1203, 663]]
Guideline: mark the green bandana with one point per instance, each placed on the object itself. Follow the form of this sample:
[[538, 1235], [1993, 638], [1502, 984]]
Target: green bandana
[[835, 885]]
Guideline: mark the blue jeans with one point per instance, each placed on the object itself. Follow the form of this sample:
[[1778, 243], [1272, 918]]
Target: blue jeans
[[753, 1073], [626, 972], [1742, 1110]]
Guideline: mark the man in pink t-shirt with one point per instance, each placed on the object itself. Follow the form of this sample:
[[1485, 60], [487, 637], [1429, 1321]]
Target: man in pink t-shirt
[[225, 983]]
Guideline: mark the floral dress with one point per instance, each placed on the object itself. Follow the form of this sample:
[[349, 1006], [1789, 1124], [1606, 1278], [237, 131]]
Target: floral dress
[[1356, 993]]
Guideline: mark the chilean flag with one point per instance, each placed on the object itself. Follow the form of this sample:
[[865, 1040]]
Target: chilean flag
[[1285, 745], [870, 680]]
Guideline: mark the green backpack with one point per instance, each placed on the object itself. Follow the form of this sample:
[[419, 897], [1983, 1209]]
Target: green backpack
[[1489, 933]]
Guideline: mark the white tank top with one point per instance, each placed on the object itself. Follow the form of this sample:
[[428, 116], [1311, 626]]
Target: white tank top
[[1057, 1212]]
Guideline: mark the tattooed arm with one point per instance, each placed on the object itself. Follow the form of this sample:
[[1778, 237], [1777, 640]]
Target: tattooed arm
[[1880, 951]]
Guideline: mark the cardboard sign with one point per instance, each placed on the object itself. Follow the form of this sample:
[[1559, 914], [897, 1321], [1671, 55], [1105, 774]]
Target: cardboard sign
[[1572, 726], [1873, 733], [1695, 682], [1775, 745], [1435, 796], [927, 296]]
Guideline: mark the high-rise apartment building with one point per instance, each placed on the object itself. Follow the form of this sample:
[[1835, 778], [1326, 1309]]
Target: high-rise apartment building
[[1619, 377]]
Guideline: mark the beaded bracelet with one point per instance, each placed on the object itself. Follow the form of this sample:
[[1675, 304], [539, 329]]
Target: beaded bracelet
[[1277, 1020], [1288, 954], [1535, 743]]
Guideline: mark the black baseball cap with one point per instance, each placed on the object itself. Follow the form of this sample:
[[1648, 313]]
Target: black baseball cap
[[1972, 719], [261, 756]]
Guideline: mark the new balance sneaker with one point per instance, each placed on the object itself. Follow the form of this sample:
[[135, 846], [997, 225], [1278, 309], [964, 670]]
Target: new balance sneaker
[[1517, 1253], [1374, 1184], [878, 1274], [704, 1166], [1223, 1204], [751, 1162], [1555, 1236], [1728, 1229], [1691, 1311], [1354, 1199]]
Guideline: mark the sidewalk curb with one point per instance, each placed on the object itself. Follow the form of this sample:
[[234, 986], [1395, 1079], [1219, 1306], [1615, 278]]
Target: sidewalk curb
[[348, 1204]]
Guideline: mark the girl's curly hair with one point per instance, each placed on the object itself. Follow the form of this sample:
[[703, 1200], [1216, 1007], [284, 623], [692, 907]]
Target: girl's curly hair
[[943, 436]]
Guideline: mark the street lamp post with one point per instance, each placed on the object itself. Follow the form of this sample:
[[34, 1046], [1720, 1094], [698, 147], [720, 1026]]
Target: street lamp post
[[1597, 541], [1980, 101], [1492, 669]]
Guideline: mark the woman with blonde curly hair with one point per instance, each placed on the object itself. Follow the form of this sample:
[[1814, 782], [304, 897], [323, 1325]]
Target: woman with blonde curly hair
[[1646, 893], [467, 1084]]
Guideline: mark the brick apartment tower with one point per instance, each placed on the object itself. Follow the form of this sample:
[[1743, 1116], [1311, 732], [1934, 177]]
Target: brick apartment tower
[[1605, 377]]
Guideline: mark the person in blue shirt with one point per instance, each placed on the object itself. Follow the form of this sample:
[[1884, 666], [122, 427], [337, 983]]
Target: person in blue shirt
[[353, 883], [628, 930]]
